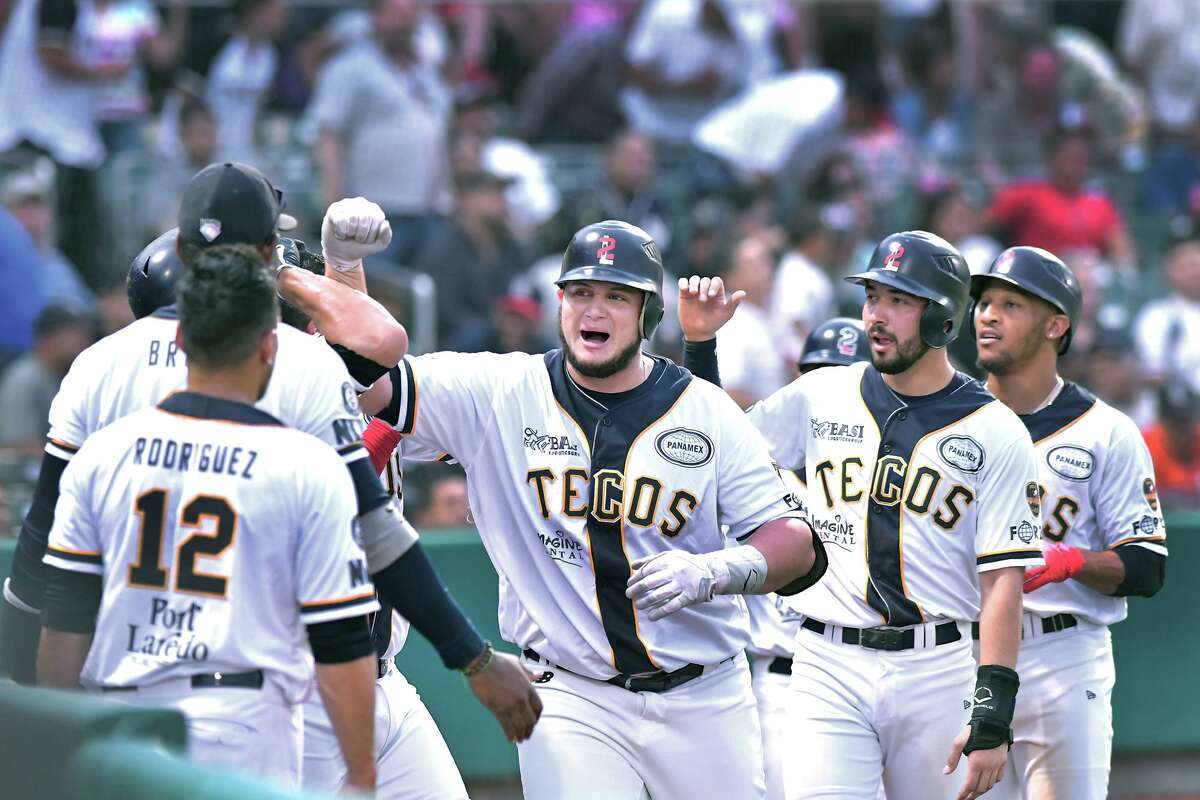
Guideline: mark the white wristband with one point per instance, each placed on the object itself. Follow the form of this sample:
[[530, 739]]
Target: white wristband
[[739, 570]]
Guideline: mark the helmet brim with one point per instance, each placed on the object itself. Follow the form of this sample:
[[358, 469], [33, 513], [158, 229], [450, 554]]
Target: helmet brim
[[608, 275], [894, 280]]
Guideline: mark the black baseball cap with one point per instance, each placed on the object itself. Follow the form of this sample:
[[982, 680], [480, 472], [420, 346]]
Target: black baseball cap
[[231, 203]]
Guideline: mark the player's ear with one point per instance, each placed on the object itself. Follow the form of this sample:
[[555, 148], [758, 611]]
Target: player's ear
[[268, 346], [1056, 326], [179, 336]]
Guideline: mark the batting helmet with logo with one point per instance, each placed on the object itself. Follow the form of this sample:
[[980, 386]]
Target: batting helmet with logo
[[1040, 273], [153, 274], [617, 252], [926, 266], [840, 341]]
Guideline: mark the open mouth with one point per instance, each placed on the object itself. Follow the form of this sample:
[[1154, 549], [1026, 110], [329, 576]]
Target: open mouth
[[595, 337], [989, 336], [880, 340]]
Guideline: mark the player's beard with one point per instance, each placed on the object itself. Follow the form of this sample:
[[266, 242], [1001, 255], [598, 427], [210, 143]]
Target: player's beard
[[907, 353], [1012, 360], [602, 369]]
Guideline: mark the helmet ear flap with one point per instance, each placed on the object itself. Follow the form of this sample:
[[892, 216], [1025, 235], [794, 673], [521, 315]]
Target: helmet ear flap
[[938, 327], [652, 314]]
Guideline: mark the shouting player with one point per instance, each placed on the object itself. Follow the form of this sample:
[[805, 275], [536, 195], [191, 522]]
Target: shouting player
[[193, 540], [1104, 529], [929, 476], [601, 479]]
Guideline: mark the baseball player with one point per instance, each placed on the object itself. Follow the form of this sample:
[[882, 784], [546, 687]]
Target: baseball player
[[411, 757], [600, 478], [167, 523], [1104, 530], [229, 204], [840, 341], [930, 476]]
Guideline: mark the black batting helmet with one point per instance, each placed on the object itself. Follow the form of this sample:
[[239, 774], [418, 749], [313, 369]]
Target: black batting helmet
[[620, 253], [153, 274], [840, 342], [1040, 273], [927, 266]]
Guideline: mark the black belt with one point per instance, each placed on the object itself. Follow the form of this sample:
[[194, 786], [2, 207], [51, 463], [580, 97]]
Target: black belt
[[887, 638], [780, 666], [653, 682], [211, 680], [1059, 622]]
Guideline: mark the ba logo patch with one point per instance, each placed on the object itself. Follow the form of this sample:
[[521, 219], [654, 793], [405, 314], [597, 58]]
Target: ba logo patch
[[1033, 496], [350, 398], [210, 229], [685, 447], [1073, 463], [962, 452], [892, 259], [604, 253], [1151, 493]]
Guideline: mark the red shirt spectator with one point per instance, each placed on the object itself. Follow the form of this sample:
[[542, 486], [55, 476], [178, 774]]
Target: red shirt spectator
[[1060, 214], [1174, 442]]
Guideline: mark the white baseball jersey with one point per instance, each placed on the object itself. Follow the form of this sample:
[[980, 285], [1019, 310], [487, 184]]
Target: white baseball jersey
[[310, 389], [1098, 493], [911, 495], [218, 533], [773, 621], [569, 488]]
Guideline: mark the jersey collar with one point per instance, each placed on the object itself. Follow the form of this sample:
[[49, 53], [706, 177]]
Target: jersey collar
[[203, 406], [1071, 404]]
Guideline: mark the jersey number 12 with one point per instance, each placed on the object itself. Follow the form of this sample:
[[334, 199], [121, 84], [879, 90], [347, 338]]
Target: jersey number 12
[[148, 570]]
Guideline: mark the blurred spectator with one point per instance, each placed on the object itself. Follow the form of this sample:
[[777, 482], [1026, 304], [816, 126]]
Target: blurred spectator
[[514, 327], [30, 383], [933, 109], [628, 191], [112, 302], [683, 56], [1173, 179], [196, 148], [532, 197], [8, 528], [883, 155], [448, 507], [474, 256], [751, 368], [1160, 41], [382, 112], [1174, 443], [27, 195], [955, 213], [1063, 212], [1110, 368], [804, 294], [1168, 329], [20, 300], [241, 77]]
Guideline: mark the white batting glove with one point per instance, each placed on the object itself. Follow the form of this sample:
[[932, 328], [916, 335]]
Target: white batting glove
[[664, 583], [353, 229]]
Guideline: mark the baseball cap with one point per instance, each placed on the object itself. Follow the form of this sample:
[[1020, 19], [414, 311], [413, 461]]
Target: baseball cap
[[231, 203]]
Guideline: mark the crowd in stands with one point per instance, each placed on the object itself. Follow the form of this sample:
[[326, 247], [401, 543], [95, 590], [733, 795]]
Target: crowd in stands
[[772, 142]]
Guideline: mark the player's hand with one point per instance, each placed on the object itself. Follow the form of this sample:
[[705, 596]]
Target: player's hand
[[1062, 562], [666, 582], [353, 229], [704, 308], [505, 688], [984, 767]]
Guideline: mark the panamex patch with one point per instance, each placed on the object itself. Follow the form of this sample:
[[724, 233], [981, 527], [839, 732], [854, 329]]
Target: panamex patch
[[685, 447], [962, 452], [836, 431], [549, 445], [1072, 462]]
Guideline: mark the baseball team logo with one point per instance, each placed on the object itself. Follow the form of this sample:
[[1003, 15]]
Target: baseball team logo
[[847, 343], [895, 253], [1033, 496], [604, 253], [210, 229], [1151, 493]]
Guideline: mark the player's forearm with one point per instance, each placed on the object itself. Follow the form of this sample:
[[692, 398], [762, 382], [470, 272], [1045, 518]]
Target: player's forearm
[[1103, 571], [60, 658], [787, 546], [348, 693], [1000, 616], [345, 316]]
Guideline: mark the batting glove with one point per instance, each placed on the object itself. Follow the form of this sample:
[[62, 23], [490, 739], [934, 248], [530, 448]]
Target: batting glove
[[353, 229], [1062, 562], [664, 583]]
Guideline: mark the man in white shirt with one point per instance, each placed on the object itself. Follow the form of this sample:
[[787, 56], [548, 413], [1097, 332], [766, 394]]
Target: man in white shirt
[[1167, 331]]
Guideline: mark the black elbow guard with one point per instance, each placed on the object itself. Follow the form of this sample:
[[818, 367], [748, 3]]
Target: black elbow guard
[[1145, 571], [820, 564], [362, 369], [340, 640]]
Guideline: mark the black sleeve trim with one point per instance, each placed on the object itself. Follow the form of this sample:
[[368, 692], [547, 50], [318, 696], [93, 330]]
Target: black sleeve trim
[[368, 489], [340, 640], [28, 572], [413, 588], [700, 358], [361, 368], [72, 600], [1145, 572]]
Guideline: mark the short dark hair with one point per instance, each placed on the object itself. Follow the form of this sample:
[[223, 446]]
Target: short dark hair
[[55, 318], [193, 107], [226, 303]]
